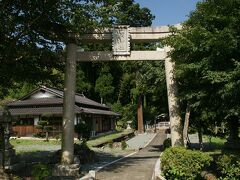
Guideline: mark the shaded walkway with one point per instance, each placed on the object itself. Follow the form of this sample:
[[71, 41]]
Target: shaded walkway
[[140, 166]]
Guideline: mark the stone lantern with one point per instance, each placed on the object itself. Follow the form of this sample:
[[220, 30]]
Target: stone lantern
[[128, 124], [7, 153]]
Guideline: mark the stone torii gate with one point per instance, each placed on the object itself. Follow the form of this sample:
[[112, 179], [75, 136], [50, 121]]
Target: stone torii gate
[[121, 37]]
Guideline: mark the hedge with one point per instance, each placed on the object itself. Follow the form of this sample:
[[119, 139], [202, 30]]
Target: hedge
[[229, 167], [181, 163]]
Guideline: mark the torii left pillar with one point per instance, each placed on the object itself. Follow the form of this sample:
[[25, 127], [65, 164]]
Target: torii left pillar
[[68, 105], [68, 167]]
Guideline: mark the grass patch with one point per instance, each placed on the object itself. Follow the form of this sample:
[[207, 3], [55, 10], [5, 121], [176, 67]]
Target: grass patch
[[214, 144], [107, 138], [215, 140], [27, 146], [215, 148], [16, 142]]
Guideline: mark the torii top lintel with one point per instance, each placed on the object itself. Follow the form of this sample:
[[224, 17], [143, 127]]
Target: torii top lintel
[[137, 34], [120, 36]]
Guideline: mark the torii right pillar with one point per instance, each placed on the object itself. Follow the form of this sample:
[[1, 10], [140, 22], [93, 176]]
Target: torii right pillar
[[173, 106]]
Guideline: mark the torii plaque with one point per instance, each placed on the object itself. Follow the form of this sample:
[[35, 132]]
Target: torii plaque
[[121, 40]]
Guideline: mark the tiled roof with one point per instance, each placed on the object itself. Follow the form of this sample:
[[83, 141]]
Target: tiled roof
[[85, 101], [40, 110], [38, 101], [57, 110], [54, 105], [99, 112], [79, 98]]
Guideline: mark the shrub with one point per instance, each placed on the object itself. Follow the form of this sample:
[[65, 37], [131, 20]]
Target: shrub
[[110, 144], [167, 143], [58, 137], [229, 167], [180, 163], [39, 135], [123, 145], [45, 128], [83, 130], [40, 171], [84, 153]]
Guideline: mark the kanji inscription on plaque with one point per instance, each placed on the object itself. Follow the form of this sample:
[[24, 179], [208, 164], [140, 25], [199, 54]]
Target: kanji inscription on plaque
[[120, 40]]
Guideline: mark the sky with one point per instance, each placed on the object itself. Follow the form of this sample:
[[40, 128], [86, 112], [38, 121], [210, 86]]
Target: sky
[[168, 12]]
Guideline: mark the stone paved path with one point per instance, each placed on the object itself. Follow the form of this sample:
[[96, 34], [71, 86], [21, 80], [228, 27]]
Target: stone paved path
[[139, 141], [139, 166]]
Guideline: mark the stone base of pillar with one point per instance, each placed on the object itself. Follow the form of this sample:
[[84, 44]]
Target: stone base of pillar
[[9, 158], [232, 144], [71, 170], [3, 175], [140, 132]]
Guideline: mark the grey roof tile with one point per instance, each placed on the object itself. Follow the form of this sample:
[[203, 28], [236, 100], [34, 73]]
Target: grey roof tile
[[99, 112], [37, 106], [40, 110]]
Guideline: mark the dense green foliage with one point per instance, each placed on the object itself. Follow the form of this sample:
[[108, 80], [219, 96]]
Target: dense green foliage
[[45, 128], [180, 163], [229, 166], [206, 52], [40, 171], [167, 143], [123, 145], [83, 130], [33, 35]]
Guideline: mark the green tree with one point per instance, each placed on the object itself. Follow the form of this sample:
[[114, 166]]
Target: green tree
[[206, 52], [83, 130], [44, 126], [33, 33], [82, 83], [104, 86]]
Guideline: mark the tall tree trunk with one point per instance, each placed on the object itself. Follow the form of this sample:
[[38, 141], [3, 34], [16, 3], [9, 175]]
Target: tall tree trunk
[[186, 125], [233, 141], [140, 115], [144, 101], [234, 128], [68, 106], [200, 137]]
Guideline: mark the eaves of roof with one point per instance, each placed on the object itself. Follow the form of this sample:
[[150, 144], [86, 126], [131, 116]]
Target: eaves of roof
[[99, 112], [41, 111]]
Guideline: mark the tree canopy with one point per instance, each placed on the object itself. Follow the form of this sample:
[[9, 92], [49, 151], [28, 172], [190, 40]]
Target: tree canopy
[[33, 33], [206, 52], [33, 36]]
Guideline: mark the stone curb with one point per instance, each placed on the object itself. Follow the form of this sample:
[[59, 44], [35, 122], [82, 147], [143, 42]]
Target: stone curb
[[157, 171]]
